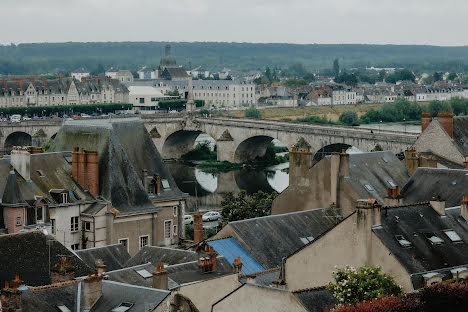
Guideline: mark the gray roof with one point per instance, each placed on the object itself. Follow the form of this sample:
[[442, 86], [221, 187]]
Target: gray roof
[[12, 193], [425, 183], [414, 223], [124, 149], [375, 169], [318, 299], [49, 299], [165, 255], [189, 272], [269, 239], [174, 72], [113, 256], [264, 278], [27, 254], [460, 134]]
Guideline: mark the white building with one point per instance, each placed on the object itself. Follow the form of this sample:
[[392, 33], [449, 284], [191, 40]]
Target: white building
[[79, 74], [145, 98]]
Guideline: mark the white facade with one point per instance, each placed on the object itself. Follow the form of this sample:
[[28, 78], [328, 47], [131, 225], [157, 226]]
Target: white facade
[[145, 98], [79, 75]]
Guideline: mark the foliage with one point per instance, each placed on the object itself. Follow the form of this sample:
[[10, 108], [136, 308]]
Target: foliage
[[243, 206], [209, 232], [349, 117], [270, 158], [178, 104], [315, 120], [295, 83], [173, 93], [252, 112], [204, 112], [64, 109], [189, 232], [348, 79], [400, 110], [46, 145], [401, 75], [437, 76], [202, 151], [368, 282], [452, 76], [216, 166], [437, 106], [336, 68]]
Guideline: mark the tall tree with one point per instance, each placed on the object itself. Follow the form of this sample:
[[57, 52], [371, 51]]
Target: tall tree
[[336, 68], [244, 206]]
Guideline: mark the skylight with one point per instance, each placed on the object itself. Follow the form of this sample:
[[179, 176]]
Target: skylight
[[454, 237], [369, 187], [391, 183], [165, 184], [144, 273], [433, 239], [124, 306], [403, 241], [384, 159], [63, 308], [306, 240]]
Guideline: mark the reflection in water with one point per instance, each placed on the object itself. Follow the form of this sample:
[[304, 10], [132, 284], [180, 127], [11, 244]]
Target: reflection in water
[[211, 187]]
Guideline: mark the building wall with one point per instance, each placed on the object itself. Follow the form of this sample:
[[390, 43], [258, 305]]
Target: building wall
[[256, 298], [10, 214], [62, 215], [204, 294]]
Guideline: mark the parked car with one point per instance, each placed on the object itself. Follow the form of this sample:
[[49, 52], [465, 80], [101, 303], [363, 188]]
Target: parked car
[[211, 216], [188, 219], [26, 118], [15, 118]]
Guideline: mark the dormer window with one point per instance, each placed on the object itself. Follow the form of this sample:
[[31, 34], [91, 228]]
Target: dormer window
[[403, 241], [432, 278], [433, 238], [453, 236], [64, 198]]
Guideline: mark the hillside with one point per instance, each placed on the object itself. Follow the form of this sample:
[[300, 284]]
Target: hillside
[[64, 57]]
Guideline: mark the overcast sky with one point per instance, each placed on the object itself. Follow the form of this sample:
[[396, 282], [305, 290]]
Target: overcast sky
[[432, 22]]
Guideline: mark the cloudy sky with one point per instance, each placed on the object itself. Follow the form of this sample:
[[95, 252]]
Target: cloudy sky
[[433, 22]]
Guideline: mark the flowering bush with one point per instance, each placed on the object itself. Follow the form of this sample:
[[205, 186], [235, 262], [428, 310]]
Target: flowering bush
[[368, 282], [386, 304]]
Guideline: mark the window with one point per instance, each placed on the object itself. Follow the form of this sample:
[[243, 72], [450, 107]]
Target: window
[[144, 241], [75, 246], [144, 273], [123, 307], [403, 241], [369, 187], [142, 100], [39, 212], [18, 220], [52, 225], [87, 225], [64, 198], [174, 211], [124, 242], [175, 230], [167, 229], [74, 224], [453, 236], [433, 239]]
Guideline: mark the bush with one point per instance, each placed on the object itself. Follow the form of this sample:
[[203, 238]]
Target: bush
[[243, 206], [368, 282], [204, 112], [189, 232], [444, 297], [178, 104], [349, 117], [386, 304], [314, 119], [437, 106], [202, 151], [252, 112], [65, 109]]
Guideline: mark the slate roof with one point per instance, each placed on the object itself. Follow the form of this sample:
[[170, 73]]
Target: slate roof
[[230, 249], [376, 169], [174, 73], [124, 149], [414, 222], [49, 299], [264, 278], [318, 299], [189, 272], [11, 193], [283, 231], [165, 255], [27, 254], [113, 256], [425, 183], [460, 134]]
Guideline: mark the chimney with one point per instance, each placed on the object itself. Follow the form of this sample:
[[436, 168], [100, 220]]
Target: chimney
[[446, 121], [10, 299], [160, 277], [5, 84], [62, 271], [81, 169], [368, 212], [464, 207], [75, 153], [412, 162], [197, 228], [393, 197], [44, 81], [300, 161], [21, 83], [145, 179], [438, 204], [431, 161], [426, 119], [465, 163], [208, 262], [92, 290], [92, 172], [237, 265], [158, 185], [101, 268], [21, 161]]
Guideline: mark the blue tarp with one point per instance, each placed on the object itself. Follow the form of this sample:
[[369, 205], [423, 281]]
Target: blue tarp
[[230, 249]]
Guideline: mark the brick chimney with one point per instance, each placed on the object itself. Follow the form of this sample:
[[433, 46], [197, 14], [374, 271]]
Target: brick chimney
[[5, 84], [10, 299], [412, 161], [160, 277], [426, 119], [62, 271], [237, 265], [100, 266], [197, 228], [92, 290], [85, 169], [438, 204], [464, 207], [446, 121], [465, 163], [44, 81], [208, 262], [393, 197], [21, 161]]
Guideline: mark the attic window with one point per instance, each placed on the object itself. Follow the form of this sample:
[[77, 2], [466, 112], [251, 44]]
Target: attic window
[[403, 241], [391, 183], [369, 187], [385, 159], [124, 306], [453, 236], [306, 240], [63, 308], [144, 273], [165, 184], [433, 239], [40, 173]]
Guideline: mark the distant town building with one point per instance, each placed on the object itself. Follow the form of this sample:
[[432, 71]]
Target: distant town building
[[80, 74]]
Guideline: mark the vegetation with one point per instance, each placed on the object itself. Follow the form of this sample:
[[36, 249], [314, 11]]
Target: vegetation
[[204, 112], [349, 118], [178, 104], [401, 75], [46, 145], [207, 233], [243, 206], [202, 151], [65, 109], [252, 112], [352, 285], [270, 158], [216, 166]]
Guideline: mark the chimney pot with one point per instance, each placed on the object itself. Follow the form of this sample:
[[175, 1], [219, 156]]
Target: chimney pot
[[160, 277]]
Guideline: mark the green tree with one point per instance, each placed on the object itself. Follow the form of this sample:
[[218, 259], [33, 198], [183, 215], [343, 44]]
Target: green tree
[[459, 105], [382, 75], [99, 69], [349, 117], [295, 83], [452, 76], [351, 286], [437, 76], [437, 106], [370, 116], [336, 68], [252, 112], [243, 206]]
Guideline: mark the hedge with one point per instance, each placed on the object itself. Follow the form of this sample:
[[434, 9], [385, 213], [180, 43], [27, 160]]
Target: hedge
[[65, 109], [177, 104]]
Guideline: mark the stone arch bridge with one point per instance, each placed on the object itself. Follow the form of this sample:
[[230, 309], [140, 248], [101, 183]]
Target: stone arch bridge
[[238, 140]]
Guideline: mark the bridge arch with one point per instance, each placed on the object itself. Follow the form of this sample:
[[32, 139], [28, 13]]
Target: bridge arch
[[252, 147], [329, 149], [17, 138], [181, 142]]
